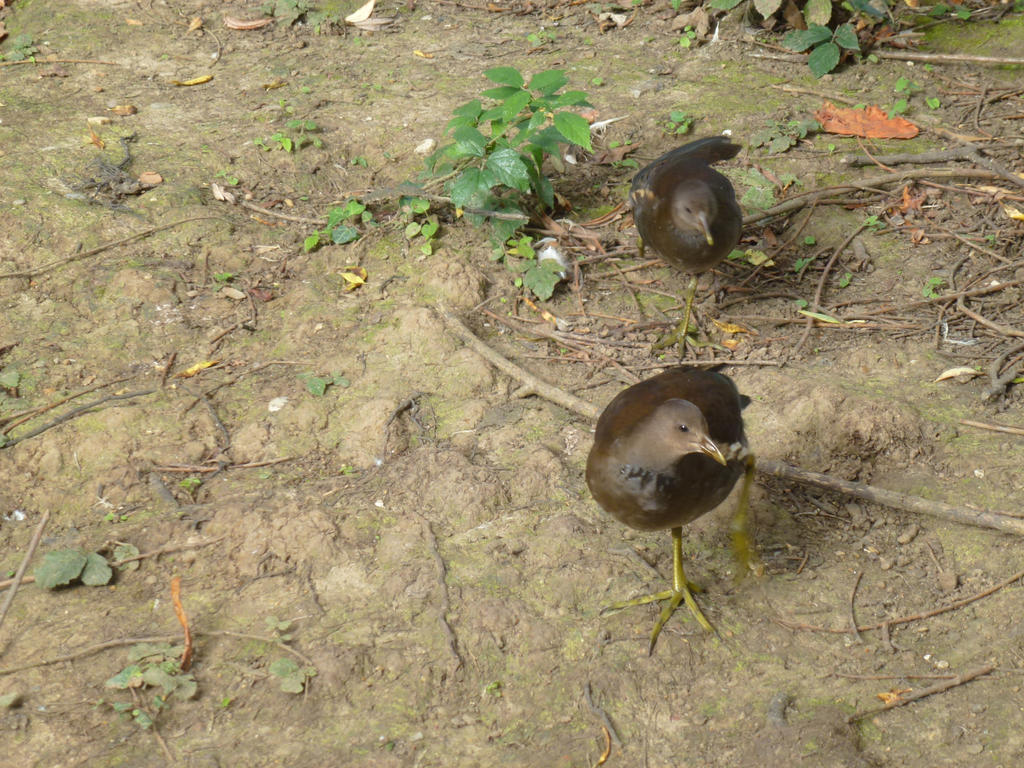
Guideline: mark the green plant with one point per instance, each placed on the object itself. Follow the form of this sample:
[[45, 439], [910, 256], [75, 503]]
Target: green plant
[[678, 123], [22, 48], [279, 627], [317, 385], [154, 666], [61, 567], [844, 281], [288, 11], [495, 160], [780, 137], [291, 676], [873, 223], [338, 231], [229, 179], [301, 133], [826, 45], [540, 38], [940, 10], [688, 37], [929, 291], [539, 276], [410, 208]]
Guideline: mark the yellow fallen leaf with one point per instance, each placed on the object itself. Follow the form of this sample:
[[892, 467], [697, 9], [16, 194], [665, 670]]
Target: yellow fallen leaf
[[730, 327], [188, 373], [757, 258], [1013, 213], [279, 83], [123, 110], [952, 373], [731, 344], [423, 55], [194, 81], [354, 277], [195, 24]]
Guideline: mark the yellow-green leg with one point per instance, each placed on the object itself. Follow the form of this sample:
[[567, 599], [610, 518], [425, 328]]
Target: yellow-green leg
[[682, 591], [742, 546], [678, 336]]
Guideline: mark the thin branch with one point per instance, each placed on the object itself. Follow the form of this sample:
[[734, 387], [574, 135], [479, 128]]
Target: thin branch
[[20, 574], [945, 685]]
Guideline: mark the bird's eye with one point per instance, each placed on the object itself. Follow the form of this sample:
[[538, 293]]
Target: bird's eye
[[683, 428]]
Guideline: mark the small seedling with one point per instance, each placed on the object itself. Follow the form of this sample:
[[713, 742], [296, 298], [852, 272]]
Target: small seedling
[[929, 291], [279, 627], [293, 678], [22, 48], [844, 281], [538, 276], [411, 207], [300, 133], [286, 11], [338, 231], [540, 38], [223, 277], [780, 137], [678, 123], [190, 485], [688, 37], [229, 179], [154, 666], [873, 223], [827, 45], [317, 385]]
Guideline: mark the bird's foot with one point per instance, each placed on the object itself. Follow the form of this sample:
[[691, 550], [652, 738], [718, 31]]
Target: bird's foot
[[673, 599]]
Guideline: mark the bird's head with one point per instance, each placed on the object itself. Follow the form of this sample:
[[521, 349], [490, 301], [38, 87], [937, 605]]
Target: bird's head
[[694, 208], [677, 428]]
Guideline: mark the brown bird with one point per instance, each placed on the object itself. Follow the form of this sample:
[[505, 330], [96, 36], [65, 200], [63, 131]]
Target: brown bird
[[666, 451], [687, 212]]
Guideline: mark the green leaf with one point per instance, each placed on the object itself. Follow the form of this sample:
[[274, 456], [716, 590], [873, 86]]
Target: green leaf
[[846, 36], [96, 572], [932, 102], [549, 81], [60, 568], [505, 76], [502, 93], [767, 7], [574, 128], [344, 234], [823, 59], [129, 677], [546, 141], [412, 229], [470, 110], [469, 142], [311, 243], [802, 39], [542, 278], [724, 5], [515, 104], [158, 677], [818, 12], [430, 227], [10, 378], [471, 188], [285, 667], [509, 169], [572, 99]]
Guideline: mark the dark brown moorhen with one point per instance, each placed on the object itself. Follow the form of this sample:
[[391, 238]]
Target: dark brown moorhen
[[666, 451], [687, 211]]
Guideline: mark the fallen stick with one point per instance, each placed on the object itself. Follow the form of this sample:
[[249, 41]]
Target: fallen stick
[[999, 521], [945, 685]]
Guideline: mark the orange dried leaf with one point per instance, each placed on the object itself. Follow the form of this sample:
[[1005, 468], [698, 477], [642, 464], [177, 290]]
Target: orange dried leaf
[[871, 123], [124, 110], [150, 178], [179, 611], [730, 327]]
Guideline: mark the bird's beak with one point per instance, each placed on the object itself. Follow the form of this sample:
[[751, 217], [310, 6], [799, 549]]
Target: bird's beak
[[705, 227], [707, 447]]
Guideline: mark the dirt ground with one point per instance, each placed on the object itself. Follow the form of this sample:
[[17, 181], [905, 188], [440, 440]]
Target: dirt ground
[[415, 536]]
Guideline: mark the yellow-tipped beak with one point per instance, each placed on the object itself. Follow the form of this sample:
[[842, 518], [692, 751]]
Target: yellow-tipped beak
[[707, 446], [705, 227]]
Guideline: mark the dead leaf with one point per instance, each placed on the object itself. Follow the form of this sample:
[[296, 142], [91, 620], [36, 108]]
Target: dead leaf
[[1013, 213], [196, 23], [279, 83], [423, 55], [244, 25], [871, 123], [890, 697], [194, 81], [362, 13], [730, 327], [952, 373], [354, 277], [150, 178], [3, 29], [95, 140], [731, 344], [611, 155], [133, 22], [261, 293], [231, 293], [910, 202], [188, 373], [697, 18], [219, 193], [123, 110], [376, 24]]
